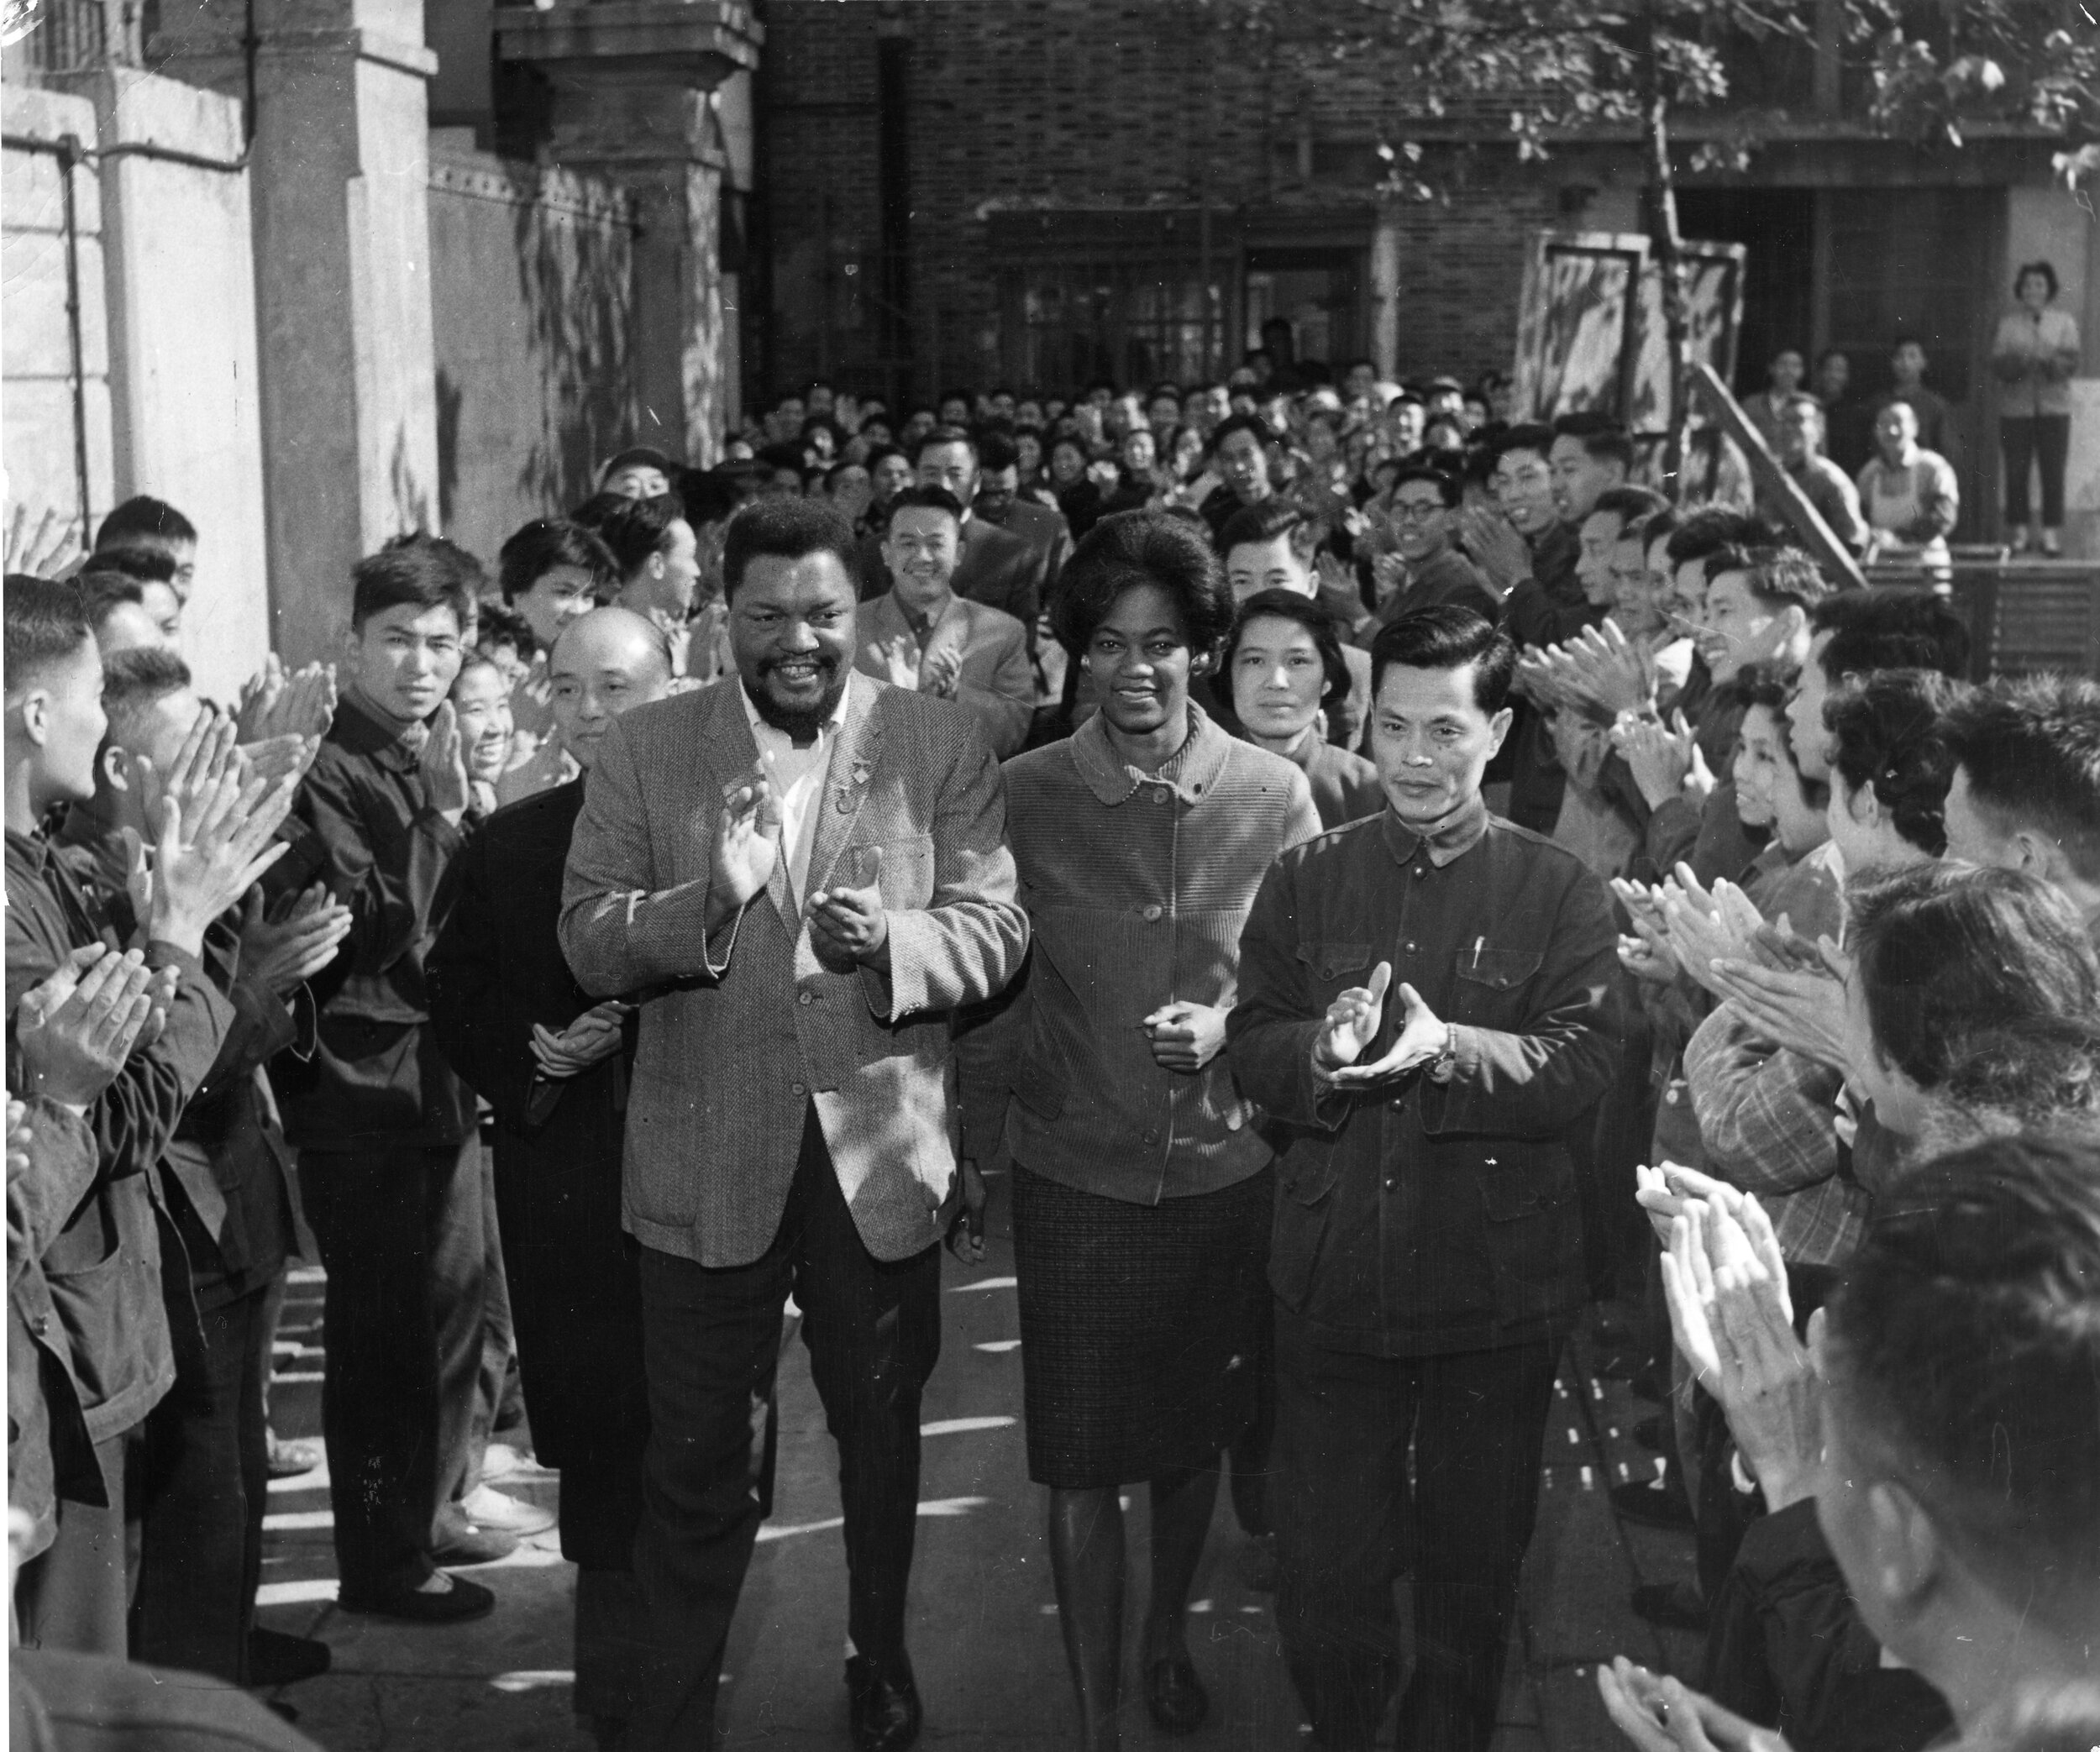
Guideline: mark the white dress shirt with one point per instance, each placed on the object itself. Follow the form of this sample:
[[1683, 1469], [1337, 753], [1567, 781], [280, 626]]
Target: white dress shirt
[[798, 781]]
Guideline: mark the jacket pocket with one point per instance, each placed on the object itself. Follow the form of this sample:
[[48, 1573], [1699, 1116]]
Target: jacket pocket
[[1534, 1235], [1492, 987], [1039, 1088], [1329, 963]]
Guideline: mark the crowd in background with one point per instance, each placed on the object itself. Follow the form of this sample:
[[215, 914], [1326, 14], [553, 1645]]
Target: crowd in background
[[1777, 1064]]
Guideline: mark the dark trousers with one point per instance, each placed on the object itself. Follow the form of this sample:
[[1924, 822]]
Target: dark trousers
[[495, 1379], [1343, 1424], [76, 1595], [711, 1347], [2045, 438], [401, 1232], [204, 1478]]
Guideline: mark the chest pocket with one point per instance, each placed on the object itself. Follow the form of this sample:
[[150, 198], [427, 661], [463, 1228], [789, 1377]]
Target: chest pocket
[[1492, 987], [1335, 967]]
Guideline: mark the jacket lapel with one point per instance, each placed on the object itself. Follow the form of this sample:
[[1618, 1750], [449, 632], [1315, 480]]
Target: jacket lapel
[[846, 781]]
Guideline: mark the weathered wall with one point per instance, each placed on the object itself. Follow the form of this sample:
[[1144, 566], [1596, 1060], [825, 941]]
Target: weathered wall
[[37, 385], [534, 318], [183, 366]]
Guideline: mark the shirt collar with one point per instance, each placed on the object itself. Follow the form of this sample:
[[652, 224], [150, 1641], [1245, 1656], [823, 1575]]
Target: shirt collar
[[1114, 780], [830, 727], [362, 731], [1450, 840]]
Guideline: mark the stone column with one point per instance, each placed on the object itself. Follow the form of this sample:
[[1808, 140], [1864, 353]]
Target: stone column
[[336, 97], [1385, 290], [632, 83]]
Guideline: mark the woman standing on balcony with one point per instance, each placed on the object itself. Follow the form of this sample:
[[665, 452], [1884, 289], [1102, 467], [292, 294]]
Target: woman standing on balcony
[[2035, 355]]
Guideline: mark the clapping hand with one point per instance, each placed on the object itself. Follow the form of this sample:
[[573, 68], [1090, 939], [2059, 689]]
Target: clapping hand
[[443, 765], [1664, 1191], [207, 855], [1616, 674], [75, 1029], [746, 845], [1666, 1715], [1705, 928], [282, 953], [1661, 761], [1351, 1023], [1797, 1007], [39, 550], [270, 759], [1337, 592], [939, 671], [274, 703], [849, 926], [901, 658], [595, 1035], [1726, 1285], [1493, 542], [1185, 1036]]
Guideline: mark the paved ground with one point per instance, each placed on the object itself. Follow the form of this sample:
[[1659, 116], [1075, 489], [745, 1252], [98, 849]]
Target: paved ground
[[989, 1661]]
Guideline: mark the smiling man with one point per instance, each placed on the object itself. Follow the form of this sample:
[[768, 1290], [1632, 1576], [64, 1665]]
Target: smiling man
[[920, 635], [1426, 1003], [799, 875]]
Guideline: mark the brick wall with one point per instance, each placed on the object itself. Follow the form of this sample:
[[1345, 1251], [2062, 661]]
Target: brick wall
[[1072, 104]]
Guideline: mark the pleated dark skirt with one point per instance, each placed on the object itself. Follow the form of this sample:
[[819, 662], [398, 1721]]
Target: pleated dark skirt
[[1139, 1327]]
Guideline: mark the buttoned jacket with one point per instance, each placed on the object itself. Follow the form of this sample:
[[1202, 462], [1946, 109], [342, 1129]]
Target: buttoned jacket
[[996, 684], [742, 1032]]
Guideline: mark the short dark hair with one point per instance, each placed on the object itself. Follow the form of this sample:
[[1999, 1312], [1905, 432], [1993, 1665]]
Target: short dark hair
[[1886, 627], [1889, 729], [145, 565], [1447, 484], [1535, 435], [104, 591], [1262, 522], [501, 625], [785, 529], [2031, 749], [536, 547], [2038, 1071], [1786, 575], [472, 576], [1942, 949], [1314, 617], [948, 435], [1601, 436], [1711, 529], [997, 450], [1240, 422], [635, 528], [922, 498], [45, 624], [1446, 637], [142, 520], [1965, 1338], [408, 574], [133, 680], [2046, 270], [1134, 547], [638, 456], [1633, 505]]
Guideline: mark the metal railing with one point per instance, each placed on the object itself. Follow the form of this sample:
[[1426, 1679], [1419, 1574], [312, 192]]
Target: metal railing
[[2026, 615]]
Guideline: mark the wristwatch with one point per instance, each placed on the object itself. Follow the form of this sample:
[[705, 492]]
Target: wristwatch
[[1442, 1067]]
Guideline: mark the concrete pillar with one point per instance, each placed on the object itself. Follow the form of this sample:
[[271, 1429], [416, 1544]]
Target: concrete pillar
[[177, 242], [633, 86], [342, 244], [1385, 290]]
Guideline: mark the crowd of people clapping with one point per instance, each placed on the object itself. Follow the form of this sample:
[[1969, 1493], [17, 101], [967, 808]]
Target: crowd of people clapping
[[1375, 879]]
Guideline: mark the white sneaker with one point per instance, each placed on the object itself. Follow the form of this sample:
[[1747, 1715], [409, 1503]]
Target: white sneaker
[[487, 1506]]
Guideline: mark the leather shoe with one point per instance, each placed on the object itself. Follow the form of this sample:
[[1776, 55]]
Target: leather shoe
[[462, 1601], [276, 1659], [1175, 1695], [884, 1704]]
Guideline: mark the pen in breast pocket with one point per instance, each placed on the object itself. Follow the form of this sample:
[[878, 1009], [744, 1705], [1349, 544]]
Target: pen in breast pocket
[[1476, 942]]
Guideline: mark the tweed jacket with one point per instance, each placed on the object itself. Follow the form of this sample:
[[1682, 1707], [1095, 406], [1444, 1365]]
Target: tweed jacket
[[996, 686], [741, 1033]]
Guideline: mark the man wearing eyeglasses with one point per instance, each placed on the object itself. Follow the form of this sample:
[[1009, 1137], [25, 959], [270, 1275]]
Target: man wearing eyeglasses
[[1421, 513]]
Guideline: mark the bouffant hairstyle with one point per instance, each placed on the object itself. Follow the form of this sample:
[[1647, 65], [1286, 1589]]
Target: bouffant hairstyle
[[1136, 548]]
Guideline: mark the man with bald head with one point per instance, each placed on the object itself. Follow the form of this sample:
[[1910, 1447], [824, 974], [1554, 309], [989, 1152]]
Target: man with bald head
[[521, 1032]]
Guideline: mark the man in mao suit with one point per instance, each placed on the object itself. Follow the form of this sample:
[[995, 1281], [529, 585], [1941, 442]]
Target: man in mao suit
[[517, 1029], [798, 873], [924, 636]]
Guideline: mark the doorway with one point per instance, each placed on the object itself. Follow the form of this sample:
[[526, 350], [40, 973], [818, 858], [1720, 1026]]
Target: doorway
[[1318, 292]]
